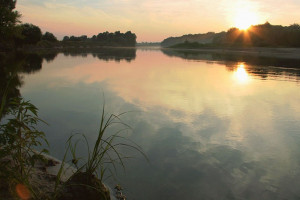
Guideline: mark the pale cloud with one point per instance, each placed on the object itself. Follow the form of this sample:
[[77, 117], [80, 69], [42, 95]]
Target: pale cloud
[[151, 20]]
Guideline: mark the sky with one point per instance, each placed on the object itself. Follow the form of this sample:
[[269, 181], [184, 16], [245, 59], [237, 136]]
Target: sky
[[154, 20]]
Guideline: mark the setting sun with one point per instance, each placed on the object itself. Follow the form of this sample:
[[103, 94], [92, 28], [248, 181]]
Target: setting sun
[[245, 18]]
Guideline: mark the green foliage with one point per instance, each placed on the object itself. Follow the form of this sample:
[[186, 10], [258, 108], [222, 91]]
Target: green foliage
[[8, 19], [90, 173], [106, 39], [30, 34], [189, 45], [205, 38], [10, 4], [264, 35], [261, 35], [18, 138], [45, 44], [106, 150], [14, 35], [49, 37]]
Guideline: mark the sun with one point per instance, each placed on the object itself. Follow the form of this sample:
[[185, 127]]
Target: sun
[[244, 18]]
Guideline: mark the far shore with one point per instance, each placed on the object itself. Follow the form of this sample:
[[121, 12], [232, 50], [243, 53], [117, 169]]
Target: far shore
[[272, 52], [287, 53]]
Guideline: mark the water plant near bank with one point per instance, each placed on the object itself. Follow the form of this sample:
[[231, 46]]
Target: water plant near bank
[[87, 181], [19, 140]]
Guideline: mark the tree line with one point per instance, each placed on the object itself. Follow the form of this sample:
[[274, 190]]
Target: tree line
[[205, 38], [261, 35], [106, 39], [14, 34]]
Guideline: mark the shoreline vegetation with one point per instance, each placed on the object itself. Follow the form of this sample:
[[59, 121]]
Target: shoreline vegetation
[[29, 174], [15, 35], [262, 39], [111, 40], [272, 52], [261, 35]]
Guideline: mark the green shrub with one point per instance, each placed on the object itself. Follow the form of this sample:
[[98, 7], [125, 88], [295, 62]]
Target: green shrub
[[18, 140]]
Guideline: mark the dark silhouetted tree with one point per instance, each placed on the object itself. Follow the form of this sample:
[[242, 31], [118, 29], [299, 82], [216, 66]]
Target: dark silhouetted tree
[[49, 37], [8, 19], [66, 38], [263, 35], [107, 39], [31, 34]]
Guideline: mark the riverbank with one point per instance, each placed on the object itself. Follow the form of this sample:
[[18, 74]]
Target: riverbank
[[42, 180], [286, 53]]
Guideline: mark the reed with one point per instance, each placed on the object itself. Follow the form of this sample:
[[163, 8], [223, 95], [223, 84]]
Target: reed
[[104, 155]]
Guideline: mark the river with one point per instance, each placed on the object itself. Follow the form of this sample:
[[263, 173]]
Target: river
[[212, 126]]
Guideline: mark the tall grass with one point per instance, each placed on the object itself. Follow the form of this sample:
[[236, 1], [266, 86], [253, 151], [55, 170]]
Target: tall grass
[[103, 155]]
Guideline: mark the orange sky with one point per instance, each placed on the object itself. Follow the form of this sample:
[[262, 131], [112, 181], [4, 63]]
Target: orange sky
[[153, 20]]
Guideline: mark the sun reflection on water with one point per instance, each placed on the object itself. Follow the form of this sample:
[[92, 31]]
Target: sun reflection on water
[[241, 75]]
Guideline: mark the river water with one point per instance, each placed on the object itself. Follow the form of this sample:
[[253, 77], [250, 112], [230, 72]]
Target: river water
[[212, 126]]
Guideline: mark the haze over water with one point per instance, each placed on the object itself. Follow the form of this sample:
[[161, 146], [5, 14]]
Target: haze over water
[[211, 129]]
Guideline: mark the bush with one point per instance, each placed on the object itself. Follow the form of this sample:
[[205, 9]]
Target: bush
[[18, 138]]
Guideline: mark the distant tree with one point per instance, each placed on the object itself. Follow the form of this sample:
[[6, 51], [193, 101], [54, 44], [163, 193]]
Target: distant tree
[[264, 35], [31, 34], [205, 38], [294, 27], [107, 39], [130, 38], [73, 38], [83, 38], [49, 37], [218, 38], [66, 38]]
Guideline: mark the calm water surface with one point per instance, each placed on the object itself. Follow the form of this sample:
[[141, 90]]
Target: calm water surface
[[225, 129]]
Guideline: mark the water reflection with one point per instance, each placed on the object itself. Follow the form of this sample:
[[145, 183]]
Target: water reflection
[[262, 67], [266, 73], [241, 74], [212, 130], [14, 66], [107, 54], [251, 59]]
